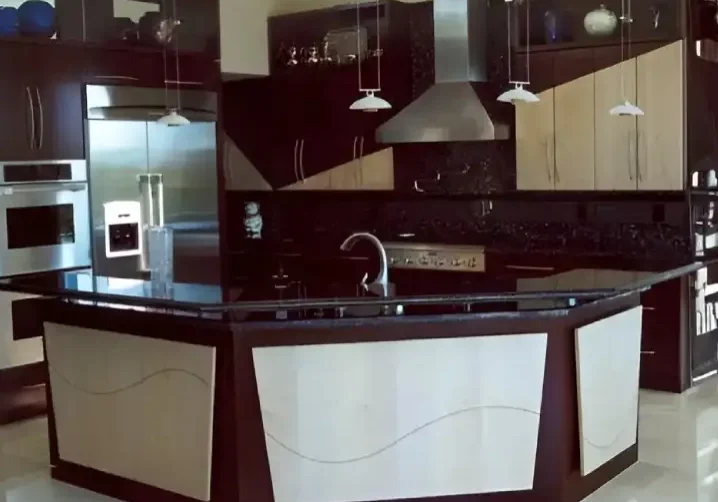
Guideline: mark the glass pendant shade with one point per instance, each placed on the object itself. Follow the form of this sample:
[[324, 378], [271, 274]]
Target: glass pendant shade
[[626, 109], [518, 94], [370, 103], [173, 119]]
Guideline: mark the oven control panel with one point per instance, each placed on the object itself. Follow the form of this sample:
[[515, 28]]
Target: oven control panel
[[435, 257]]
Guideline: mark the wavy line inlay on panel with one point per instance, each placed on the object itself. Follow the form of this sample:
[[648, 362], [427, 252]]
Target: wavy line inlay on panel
[[399, 439], [118, 390]]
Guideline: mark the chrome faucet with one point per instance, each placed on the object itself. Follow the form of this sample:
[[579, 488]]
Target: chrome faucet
[[380, 285]]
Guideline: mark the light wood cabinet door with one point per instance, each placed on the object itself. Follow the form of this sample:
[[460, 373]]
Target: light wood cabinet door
[[574, 125], [660, 130], [535, 159], [616, 149], [373, 172]]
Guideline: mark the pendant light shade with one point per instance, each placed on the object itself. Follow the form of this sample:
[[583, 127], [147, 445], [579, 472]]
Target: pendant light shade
[[518, 94], [626, 109], [370, 103], [173, 119]]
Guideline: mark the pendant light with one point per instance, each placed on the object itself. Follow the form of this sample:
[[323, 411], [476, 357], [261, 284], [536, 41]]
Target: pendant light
[[371, 102], [172, 116], [625, 108], [518, 93]]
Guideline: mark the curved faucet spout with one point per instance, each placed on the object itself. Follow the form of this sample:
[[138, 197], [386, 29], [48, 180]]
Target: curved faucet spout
[[381, 281]]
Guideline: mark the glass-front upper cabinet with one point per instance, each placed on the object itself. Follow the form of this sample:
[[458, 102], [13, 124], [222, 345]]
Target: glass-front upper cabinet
[[187, 25]]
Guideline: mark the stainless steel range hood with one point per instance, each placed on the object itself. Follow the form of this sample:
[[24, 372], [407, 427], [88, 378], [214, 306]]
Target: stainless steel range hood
[[461, 105]]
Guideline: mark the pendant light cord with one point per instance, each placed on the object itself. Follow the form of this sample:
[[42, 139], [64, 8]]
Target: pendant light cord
[[378, 48], [359, 44], [508, 36], [623, 27], [164, 68], [175, 31], [528, 43]]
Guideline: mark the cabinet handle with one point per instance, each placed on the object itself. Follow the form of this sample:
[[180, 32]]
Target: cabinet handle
[[548, 160], [301, 160], [361, 161], [630, 171], [296, 162], [42, 118], [645, 158], [648, 352], [183, 82], [116, 77], [354, 148], [31, 108]]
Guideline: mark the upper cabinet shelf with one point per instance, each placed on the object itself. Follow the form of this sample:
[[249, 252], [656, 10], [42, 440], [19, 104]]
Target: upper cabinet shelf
[[559, 24], [127, 24]]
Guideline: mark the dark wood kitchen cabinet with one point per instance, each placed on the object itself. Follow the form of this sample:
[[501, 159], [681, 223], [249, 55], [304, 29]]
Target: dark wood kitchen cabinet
[[303, 109], [146, 68], [42, 102]]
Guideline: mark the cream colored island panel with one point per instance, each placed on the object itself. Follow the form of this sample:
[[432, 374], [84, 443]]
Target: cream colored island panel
[[401, 419], [136, 407], [608, 355]]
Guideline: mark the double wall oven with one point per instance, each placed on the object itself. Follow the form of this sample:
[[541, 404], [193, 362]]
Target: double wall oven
[[44, 216]]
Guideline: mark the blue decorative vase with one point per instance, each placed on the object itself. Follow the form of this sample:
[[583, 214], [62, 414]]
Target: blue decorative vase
[[36, 18], [8, 21]]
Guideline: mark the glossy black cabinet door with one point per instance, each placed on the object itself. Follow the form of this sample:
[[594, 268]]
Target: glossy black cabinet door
[[17, 127], [57, 86]]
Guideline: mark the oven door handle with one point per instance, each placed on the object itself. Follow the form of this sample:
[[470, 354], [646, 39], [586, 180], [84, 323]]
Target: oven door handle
[[46, 188]]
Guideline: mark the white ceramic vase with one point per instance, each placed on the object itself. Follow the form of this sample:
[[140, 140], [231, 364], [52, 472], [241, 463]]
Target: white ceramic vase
[[600, 22]]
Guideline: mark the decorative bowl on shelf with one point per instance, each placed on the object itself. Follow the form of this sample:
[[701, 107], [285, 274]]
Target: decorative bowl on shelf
[[36, 18], [8, 21], [600, 22]]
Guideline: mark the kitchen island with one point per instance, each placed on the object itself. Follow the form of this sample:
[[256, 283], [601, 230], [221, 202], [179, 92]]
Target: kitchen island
[[524, 395]]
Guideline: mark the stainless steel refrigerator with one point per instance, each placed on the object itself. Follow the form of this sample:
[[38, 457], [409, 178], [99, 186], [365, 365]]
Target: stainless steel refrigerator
[[131, 156]]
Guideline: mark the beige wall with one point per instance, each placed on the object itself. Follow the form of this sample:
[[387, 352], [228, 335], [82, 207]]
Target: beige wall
[[243, 41]]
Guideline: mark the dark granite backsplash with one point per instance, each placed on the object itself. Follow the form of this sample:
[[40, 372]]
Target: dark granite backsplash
[[484, 167], [310, 221]]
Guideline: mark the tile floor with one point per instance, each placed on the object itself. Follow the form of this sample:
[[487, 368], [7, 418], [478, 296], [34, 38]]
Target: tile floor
[[678, 457]]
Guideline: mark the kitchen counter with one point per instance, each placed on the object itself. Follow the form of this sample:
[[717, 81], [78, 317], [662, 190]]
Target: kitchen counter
[[517, 291], [511, 386]]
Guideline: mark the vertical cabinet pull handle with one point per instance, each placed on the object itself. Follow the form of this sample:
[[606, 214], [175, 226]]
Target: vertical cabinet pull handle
[[548, 159], [361, 161], [41, 140], [31, 108], [630, 170], [301, 160], [638, 164], [296, 161]]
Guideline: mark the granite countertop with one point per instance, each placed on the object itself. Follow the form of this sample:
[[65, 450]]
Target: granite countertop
[[272, 301]]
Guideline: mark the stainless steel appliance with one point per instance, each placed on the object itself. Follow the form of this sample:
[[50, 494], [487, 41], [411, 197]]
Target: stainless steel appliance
[[170, 171], [44, 223], [461, 105]]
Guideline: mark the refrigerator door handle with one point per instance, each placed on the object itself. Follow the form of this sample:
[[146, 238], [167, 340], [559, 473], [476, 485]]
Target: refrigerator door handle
[[151, 187]]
